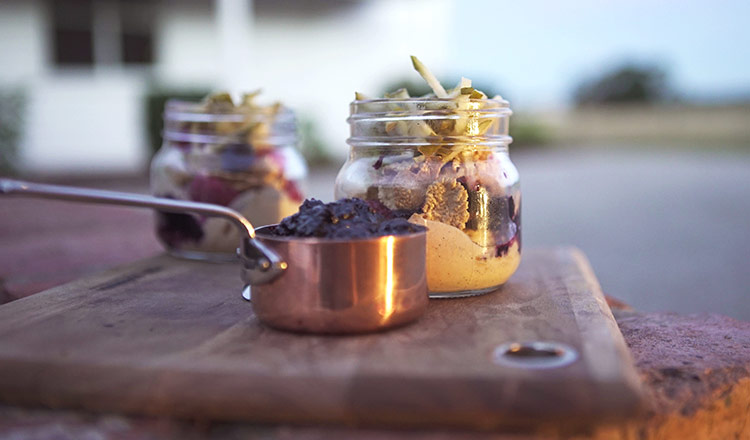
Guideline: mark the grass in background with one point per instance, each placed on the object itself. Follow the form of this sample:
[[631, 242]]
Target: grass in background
[[154, 103], [12, 109]]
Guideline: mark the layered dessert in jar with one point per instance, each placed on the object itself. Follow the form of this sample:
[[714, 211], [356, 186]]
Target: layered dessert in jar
[[240, 155], [441, 161]]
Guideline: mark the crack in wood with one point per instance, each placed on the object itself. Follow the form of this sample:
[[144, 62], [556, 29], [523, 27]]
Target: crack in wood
[[126, 279]]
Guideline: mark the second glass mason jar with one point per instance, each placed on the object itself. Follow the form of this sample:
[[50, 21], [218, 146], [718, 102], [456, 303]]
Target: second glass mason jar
[[442, 163], [243, 157]]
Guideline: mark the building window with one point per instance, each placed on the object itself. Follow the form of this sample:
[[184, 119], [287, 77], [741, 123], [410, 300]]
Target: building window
[[136, 48], [102, 32], [136, 36], [72, 32]]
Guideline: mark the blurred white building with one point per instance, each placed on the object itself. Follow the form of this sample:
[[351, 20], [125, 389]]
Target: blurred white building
[[86, 66]]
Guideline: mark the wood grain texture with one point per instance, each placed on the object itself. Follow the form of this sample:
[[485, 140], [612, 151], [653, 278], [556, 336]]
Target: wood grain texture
[[170, 337], [695, 369]]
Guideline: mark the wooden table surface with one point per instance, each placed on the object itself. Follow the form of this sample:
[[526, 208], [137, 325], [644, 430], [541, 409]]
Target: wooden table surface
[[696, 368], [170, 337]]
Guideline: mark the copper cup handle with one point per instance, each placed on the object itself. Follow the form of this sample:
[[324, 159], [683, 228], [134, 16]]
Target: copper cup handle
[[260, 264]]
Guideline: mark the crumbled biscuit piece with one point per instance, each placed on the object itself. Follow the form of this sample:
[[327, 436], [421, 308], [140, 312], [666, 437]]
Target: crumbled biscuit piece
[[479, 202], [371, 194], [397, 197], [452, 169], [441, 125], [405, 191], [447, 202]]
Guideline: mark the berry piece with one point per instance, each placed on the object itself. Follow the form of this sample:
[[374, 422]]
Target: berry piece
[[211, 189]]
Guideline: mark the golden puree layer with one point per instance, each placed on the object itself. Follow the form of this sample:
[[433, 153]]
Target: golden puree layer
[[455, 263]]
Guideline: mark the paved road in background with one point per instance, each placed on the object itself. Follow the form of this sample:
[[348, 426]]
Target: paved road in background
[[664, 229]]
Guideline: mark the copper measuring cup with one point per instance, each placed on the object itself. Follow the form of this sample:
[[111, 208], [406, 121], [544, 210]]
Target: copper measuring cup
[[299, 284]]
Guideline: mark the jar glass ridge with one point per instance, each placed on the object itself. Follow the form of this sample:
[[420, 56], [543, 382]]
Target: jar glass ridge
[[445, 166]]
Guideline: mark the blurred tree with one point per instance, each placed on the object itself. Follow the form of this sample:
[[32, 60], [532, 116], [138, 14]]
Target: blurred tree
[[527, 131], [12, 106], [629, 83], [155, 101], [310, 144]]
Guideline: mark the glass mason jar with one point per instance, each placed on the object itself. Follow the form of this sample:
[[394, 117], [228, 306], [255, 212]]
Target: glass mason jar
[[444, 164], [237, 157]]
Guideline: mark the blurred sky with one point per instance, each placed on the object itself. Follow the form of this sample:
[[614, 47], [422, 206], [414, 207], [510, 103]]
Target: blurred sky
[[538, 50]]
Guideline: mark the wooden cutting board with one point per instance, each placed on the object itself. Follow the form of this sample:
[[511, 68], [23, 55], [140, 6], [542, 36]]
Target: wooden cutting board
[[170, 337]]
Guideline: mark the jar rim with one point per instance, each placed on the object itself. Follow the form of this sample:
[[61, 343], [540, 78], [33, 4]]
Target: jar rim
[[501, 103], [421, 105], [427, 108], [428, 121], [411, 142], [195, 111], [190, 121]]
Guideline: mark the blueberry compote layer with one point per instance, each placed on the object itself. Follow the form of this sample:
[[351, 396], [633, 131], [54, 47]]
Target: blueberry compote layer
[[344, 219]]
